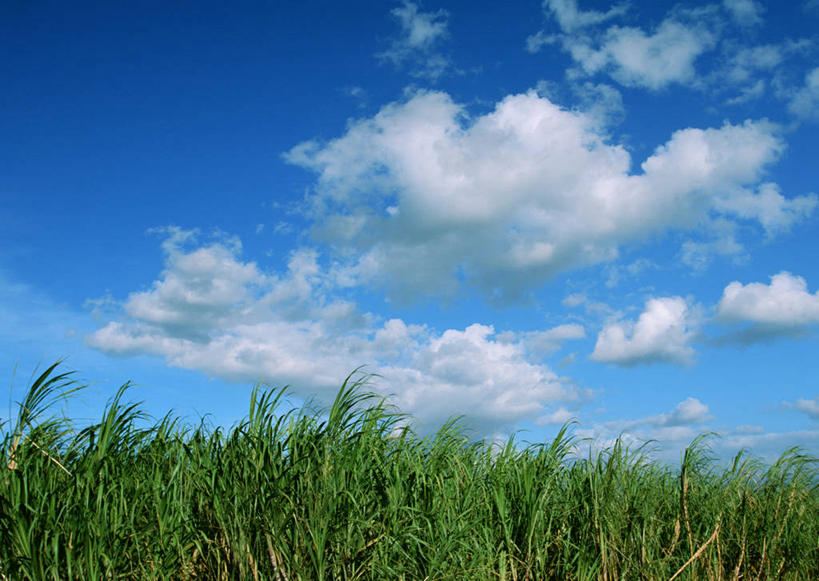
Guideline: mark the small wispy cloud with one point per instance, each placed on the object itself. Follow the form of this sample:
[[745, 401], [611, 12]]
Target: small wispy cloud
[[805, 101], [571, 18], [809, 407], [745, 13], [417, 45]]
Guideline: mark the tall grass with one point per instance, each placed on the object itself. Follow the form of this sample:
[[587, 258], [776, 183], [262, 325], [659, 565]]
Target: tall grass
[[352, 494]]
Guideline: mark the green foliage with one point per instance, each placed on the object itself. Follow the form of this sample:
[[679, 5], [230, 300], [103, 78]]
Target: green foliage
[[351, 493]]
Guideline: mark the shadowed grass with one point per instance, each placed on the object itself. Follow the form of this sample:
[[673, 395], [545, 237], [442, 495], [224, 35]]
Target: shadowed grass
[[351, 493]]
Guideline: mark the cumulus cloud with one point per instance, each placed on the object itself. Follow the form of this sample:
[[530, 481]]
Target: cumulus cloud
[[745, 13], [212, 312], [422, 196], [688, 411], [417, 45], [661, 334], [470, 372], [784, 307], [805, 101]]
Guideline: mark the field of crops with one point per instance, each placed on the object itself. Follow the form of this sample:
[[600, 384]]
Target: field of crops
[[349, 494]]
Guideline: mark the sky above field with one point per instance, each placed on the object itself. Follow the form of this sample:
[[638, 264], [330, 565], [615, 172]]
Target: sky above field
[[517, 212]]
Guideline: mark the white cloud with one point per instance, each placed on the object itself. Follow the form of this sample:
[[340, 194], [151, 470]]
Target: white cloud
[[600, 101], [653, 61], [571, 18], [748, 93], [784, 307], [746, 62], [421, 32], [421, 195], [214, 313], [688, 411], [768, 445], [544, 343], [810, 407], [805, 102], [632, 56], [471, 373], [575, 300], [661, 334], [769, 207], [556, 418], [617, 272], [537, 41], [744, 12], [669, 432], [749, 71], [721, 241]]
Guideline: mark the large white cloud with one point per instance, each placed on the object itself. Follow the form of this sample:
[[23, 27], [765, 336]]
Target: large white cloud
[[422, 196], [662, 333], [783, 307], [212, 312]]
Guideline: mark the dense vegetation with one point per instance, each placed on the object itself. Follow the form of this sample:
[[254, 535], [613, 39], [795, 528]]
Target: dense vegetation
[[350, 494]]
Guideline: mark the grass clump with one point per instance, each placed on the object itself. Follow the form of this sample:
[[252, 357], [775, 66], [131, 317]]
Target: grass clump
[[352, 494]]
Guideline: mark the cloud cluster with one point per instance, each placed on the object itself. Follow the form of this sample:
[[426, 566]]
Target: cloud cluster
[[632, 56], [664, 331], [668, 434], [422, 196], [212, 312], [706, 48]]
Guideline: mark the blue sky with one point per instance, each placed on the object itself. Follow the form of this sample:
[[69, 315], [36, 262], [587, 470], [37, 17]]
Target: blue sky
[[517, 212]]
